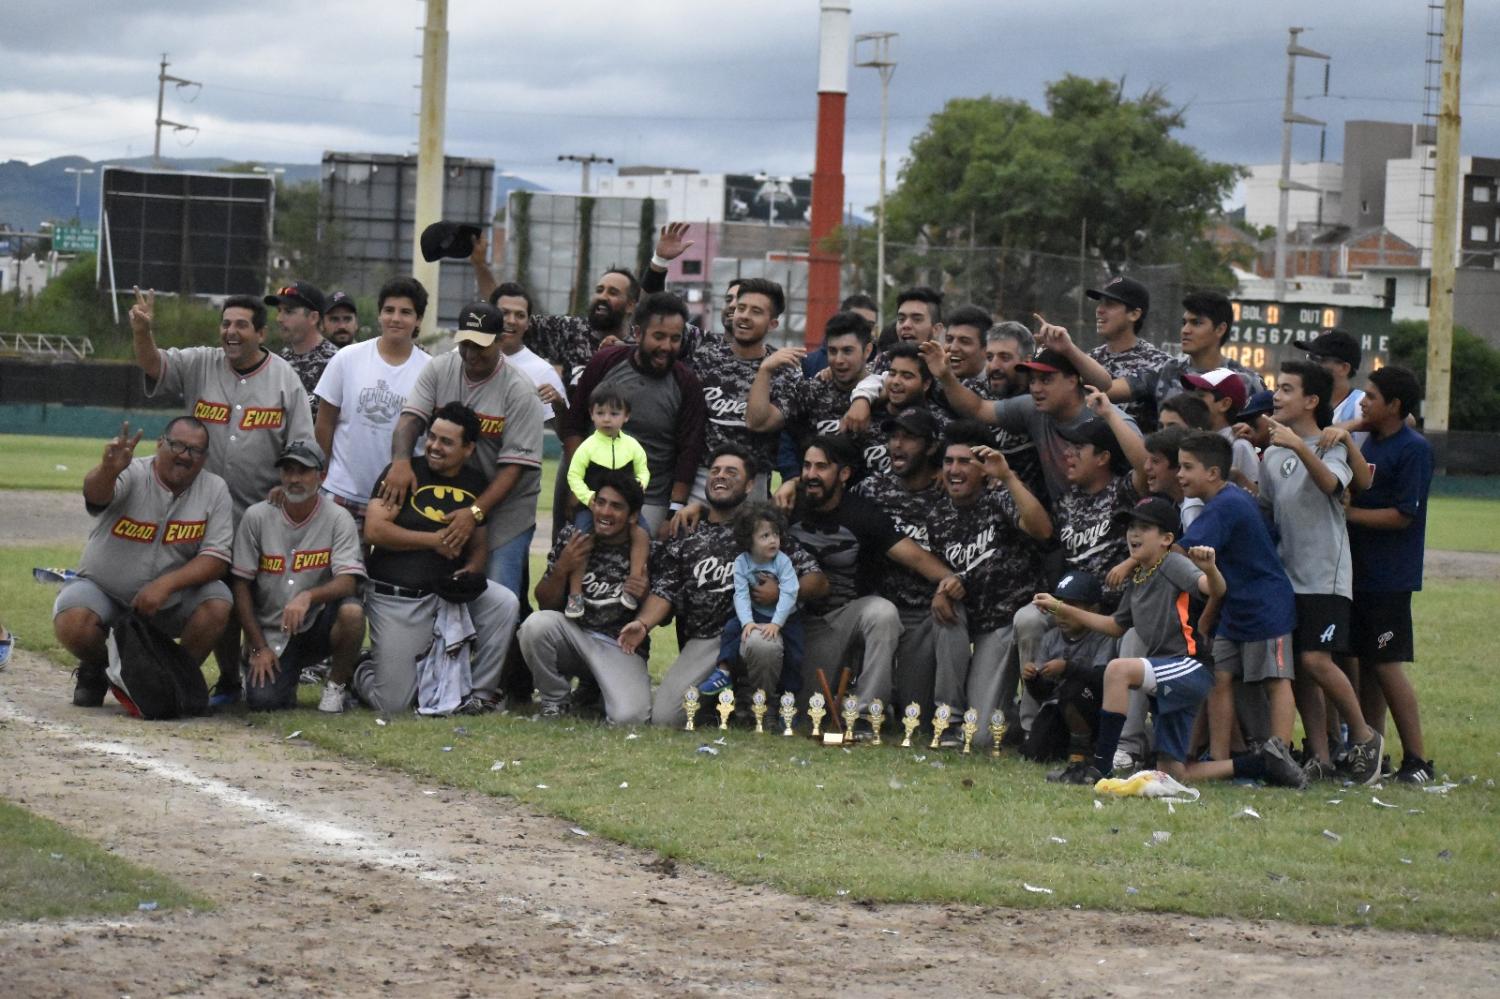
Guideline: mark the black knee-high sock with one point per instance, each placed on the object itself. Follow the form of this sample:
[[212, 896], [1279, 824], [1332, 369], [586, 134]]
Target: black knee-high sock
[[1111, 723]]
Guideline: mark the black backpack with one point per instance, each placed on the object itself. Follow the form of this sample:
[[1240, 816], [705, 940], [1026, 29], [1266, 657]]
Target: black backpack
[[150, 674]]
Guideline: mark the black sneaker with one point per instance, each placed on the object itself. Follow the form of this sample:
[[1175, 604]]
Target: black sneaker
[[1061, 774], [558, 709], [1364, 759], [1316, 770], [89, 688], [1280, 767], [1415, 770], [1086, 774]]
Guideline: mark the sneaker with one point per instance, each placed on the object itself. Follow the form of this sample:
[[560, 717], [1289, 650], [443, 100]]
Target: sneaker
[[1281, 769], [1364, 759], [315, 675], [335, 699], [477, 704], [555, 709], [225, 696], [1062, 773], [1085, 774], [628, 602], [89, 688], [716, 681], [1125, 763], [7, 646], [574, 608], [1415, 770], [1316, 769]]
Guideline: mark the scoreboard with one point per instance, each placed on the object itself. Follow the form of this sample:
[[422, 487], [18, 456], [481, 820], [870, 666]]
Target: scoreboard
[[1262, 334]]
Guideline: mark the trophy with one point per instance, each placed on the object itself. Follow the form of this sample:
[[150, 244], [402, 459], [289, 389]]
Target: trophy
[[997, 730], [911, 718], [939, 723], [758, 709], [690, 705], [815, 712], [877, 717], [970, 726], [788, 712], [726, 708], [851, 715]]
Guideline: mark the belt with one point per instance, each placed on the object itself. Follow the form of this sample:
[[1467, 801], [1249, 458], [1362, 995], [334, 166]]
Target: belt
[[391, 590]]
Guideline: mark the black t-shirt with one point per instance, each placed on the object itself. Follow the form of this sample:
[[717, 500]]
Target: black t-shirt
[[908, 510], [850, 544], [431, 499]]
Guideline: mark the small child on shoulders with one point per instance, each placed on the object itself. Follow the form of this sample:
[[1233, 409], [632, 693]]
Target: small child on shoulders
[[606, 449]]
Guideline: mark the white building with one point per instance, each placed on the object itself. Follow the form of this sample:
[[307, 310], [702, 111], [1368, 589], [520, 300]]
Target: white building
[[29, 274], [1322, 206]]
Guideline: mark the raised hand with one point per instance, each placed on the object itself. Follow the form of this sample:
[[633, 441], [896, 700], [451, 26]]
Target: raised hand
[[1096, 400], [993, 462], [671, 244], [142, 311], [935, 357], [481, 252], [120, 451], [1202, 555], [1051, 335], [785, 357], [1282, 435]]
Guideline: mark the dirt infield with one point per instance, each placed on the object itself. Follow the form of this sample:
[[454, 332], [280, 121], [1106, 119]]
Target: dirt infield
[[332, 877]]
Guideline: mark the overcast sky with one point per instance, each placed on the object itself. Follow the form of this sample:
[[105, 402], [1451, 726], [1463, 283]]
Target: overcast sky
[[713, 84]]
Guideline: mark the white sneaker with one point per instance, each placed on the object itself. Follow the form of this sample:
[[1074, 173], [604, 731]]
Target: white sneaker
[[335, 698], [1123, 762]]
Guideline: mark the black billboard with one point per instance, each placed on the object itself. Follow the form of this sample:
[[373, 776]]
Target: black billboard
[[185, 233], [776, 200]]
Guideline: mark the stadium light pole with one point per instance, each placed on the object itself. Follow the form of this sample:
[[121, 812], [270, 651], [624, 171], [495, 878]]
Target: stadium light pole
[[429, 207], [879, 55]]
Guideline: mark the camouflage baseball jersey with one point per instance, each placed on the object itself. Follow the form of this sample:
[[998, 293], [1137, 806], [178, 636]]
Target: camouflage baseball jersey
[[145, 532], [603, 582], [309, 367], [726, 393], [1167, 380], [909, 512], [1085, 525], [510, 431], [695, 574], [251, 415], [873, 450], [282, 559], [1000, 564], [1134, 365]]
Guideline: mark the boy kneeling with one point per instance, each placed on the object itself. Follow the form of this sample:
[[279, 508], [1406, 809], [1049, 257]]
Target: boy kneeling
[[1159, 603]]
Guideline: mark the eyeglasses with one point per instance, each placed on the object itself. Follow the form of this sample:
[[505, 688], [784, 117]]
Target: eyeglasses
[[179, 448]]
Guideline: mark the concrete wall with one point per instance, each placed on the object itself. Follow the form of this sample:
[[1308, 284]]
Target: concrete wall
[[1367, 147]]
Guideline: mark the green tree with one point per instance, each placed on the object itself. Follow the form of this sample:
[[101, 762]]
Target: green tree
[[1016, 182], [1474, 391], [311, 246]]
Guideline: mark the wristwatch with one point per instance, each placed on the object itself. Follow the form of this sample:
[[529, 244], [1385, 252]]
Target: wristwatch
[[478, 513]]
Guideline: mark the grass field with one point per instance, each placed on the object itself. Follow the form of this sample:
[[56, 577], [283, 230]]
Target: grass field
[[48, 873]]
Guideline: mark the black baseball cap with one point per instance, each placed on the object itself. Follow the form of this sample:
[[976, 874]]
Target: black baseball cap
[[1079, 587], [448, 239], [1098, 433], [299, 292], [1157, 511], [917, 420], [303, 453], [341, 300], [1123, 289], [479, 323], [1050, 361], [1337, 344]]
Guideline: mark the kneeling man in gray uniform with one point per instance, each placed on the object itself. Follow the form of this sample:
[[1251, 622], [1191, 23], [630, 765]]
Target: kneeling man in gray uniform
[[414, 550], [160, 546]]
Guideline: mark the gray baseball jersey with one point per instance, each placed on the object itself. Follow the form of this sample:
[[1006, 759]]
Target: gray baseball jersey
[[1314, 542], [282, 559], [510, 431], [251, 416], [145, 532]]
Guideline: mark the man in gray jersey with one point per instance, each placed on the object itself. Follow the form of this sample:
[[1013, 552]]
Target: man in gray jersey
[[296, 569], [159, 546], [509, 454], [253, 405]]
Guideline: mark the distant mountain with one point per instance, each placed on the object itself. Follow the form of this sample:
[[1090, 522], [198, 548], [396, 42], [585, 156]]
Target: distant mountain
[[32, 194]]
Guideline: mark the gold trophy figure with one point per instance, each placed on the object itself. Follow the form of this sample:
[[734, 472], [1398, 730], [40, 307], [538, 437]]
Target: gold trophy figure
[[877, 718], [690, 705], [815, 712], [940, 723], [851, 715], [788, 712], [910, 719], [997, 730], [726, 708], [970, 727], [758, 709]]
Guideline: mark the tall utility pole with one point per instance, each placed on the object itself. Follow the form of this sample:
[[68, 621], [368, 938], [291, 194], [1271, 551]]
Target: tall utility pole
[[823, 258], [585, 162], [430, 150], [1444, 229], [880, 55], [1289, 118], [162, 79]]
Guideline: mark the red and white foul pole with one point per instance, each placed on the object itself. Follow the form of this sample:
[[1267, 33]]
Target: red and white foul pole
[[828, 169]]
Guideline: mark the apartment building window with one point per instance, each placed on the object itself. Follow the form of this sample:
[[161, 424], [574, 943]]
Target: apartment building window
[[1480, 192], [692, 267], [1479, 234]]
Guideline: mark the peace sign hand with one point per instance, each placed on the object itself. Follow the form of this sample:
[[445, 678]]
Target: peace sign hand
[[142, 311], [120, 451]]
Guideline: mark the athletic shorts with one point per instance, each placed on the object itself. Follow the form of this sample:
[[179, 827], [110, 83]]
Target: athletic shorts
[[1177, 687], [1380, 628], [1322, 624], [80, 592], [1252, 662]]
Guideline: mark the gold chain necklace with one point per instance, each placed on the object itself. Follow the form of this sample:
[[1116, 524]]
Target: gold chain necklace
[[1141, 575]]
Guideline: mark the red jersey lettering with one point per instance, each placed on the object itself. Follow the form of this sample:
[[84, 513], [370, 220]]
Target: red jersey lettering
[[491, 426], [320, 559]]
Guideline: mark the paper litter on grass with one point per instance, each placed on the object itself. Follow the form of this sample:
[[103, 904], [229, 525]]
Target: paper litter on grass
[[1247, 813], [293, 735], [578, 832], [1330, 834], [708, 750], [1056, 839], [1036, 889], [497, 765], [1376, 801]]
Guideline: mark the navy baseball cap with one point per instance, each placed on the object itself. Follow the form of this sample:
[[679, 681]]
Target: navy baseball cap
[[300, 293], [1123, 289], [1079, 587], [303, 453], [1259, 404], [342, 300]]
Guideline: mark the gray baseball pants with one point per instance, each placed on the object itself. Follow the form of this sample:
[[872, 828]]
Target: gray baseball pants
[[697, 659], [833, 637], [556, 649]]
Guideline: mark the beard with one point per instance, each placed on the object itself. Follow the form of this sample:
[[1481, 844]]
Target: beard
[[604, 318]]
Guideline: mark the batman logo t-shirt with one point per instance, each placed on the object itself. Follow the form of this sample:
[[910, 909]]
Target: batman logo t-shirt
[[431, 500]]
